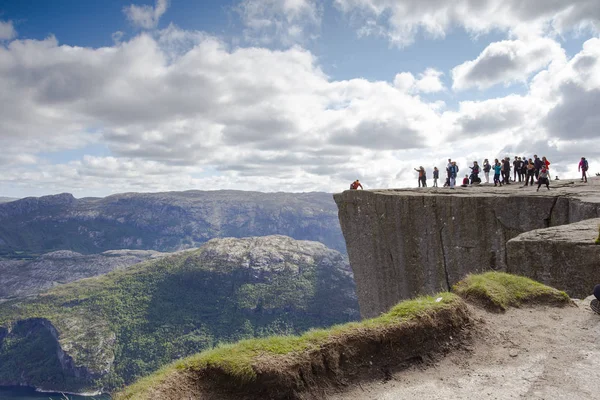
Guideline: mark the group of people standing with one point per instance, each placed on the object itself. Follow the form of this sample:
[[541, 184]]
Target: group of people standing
[[523, 170]]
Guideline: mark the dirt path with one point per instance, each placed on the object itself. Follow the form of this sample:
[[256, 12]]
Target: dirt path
[[541, 353]]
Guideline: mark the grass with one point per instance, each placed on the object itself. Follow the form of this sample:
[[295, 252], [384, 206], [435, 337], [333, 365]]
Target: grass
[[598, 238], [497, 291], [238, 360]]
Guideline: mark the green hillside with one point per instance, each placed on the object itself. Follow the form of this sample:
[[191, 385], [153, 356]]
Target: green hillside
[[115, 328]]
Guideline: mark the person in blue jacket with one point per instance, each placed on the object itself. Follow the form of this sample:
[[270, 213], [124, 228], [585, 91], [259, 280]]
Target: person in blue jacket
[[497, 168]]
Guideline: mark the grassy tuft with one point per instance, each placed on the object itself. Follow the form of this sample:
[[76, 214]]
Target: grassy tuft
[[498, 291], [598, 238], [237, 360]]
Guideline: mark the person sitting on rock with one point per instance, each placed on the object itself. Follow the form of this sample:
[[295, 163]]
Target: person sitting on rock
[[595, 303], [465, 181], [543, 179], [355, 185]]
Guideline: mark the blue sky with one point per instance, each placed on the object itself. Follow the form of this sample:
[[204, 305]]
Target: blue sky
[[293, 95]]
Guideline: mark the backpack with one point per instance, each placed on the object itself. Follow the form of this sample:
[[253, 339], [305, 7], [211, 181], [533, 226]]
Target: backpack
[[352, 187], [585, 165]]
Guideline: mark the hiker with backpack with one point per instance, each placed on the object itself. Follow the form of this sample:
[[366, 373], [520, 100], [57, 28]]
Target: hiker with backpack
[[355, 185], [422, 176], [486, 170], [583, 167]]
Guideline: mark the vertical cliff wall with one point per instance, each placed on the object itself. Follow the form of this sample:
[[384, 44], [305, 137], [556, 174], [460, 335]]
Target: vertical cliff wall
[[402, 243]]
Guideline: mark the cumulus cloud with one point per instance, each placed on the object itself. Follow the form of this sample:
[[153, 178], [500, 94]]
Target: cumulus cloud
[[280, 21], [506, 62], [401, 21], [427, 82], [7, 30], [146, 17], [243, 112], [179, 109]]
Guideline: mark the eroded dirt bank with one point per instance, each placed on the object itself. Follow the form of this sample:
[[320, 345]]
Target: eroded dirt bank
[[532, 353]]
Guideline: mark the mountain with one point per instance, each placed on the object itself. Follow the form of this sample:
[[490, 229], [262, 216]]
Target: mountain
[[162, 221], [103, 332], [21, 278], [7, 199]]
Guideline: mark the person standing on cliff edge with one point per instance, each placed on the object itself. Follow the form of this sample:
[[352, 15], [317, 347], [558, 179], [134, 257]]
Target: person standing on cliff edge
[[452, 173], [436, 176], [583, 167], [422, 176]]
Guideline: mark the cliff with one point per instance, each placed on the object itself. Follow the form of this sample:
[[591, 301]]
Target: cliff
[[102, 332], [407, 242], [167, 221]]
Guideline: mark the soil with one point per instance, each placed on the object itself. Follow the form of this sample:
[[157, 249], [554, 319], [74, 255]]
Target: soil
[[542, 352]]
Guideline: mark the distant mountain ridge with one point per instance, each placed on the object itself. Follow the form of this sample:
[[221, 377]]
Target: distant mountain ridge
[[162, 221], [22, 278], [7, 199]]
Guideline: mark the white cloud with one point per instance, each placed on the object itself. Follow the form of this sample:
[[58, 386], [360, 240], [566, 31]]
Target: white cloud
[[7, 30], [506, 62], [428, 82], [283, 21], [400, 21], [181, 109], [146, 17]]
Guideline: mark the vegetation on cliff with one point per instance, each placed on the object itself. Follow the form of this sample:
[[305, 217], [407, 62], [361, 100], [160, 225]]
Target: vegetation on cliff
[[292, 364], [124, 325], [283, 367], [498, 291]]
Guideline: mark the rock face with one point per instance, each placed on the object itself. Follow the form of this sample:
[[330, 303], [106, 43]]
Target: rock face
[[106, 331], [21, 278], [402, 243], [565, 257], [162, 221]]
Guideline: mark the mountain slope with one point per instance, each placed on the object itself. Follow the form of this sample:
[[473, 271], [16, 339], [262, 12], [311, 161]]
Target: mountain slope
[[21, 278], [106, 331], [162, 221]]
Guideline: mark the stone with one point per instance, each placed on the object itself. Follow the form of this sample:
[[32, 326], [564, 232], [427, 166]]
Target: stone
[[406, 242], [565, 257]]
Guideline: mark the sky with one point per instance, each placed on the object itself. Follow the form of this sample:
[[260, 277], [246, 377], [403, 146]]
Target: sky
[[118, 96]]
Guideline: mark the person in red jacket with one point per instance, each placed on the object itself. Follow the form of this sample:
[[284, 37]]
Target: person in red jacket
[[355, 185]]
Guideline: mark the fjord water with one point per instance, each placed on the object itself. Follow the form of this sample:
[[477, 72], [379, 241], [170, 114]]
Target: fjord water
[[21, 393]]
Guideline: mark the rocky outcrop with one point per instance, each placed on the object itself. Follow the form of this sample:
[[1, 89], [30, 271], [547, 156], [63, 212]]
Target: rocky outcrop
[[21, 278], [72, 352], [402, 243], [162, 221], [565, 257]]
